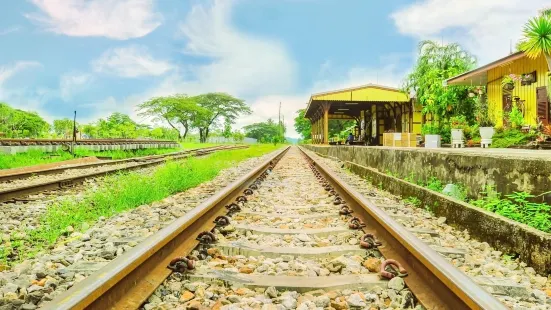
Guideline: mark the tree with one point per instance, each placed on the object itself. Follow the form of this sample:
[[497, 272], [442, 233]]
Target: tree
[[216, 106], [263, 132], [175, 109], [537, 39], [238, 136], [435, 64], [227, 133], [63, 127], [303, 125]]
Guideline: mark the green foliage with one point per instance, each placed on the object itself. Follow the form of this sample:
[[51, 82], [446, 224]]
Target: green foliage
[[435, 64], [238, 136], [303, 125], [64, 127], [15, 123], [517, 207], [414, 201], [458, 122], [434, 184], [515, 117], [510, 137], [484, 116], [125, 191], [217, 106], [537, 36], [265, 132], [175, 109], [31, 157], [37, 157]]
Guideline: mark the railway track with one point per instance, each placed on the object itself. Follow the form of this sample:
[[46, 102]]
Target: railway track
[[289, 234], [17, 185]]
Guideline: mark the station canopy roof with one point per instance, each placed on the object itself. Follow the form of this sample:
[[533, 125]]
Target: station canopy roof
[[349, 99], [479, 76]]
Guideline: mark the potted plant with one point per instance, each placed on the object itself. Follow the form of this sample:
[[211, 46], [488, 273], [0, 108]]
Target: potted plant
[[485, 121], [528, 78], [432, 136], [508, 81]]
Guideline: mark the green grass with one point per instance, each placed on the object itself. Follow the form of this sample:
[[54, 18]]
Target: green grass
[[516, 206], [125, 191], [36, 157], [31, 158]]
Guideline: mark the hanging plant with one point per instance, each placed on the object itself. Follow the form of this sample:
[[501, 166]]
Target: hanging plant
[[508, 81]]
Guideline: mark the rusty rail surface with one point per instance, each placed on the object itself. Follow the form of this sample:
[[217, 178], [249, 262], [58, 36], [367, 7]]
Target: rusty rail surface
[[435, 282], [9, 194], [25, 174], [127, 281]]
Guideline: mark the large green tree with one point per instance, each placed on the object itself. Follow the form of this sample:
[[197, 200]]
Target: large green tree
[[178, 109], [218, 106], [263, 132], [15, 123], [435, 64]]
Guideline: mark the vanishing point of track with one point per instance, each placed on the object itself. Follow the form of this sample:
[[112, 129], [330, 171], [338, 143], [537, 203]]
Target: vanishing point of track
[[130, 279], [131, 164]]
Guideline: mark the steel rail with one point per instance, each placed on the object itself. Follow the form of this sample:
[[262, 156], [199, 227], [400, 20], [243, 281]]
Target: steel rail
[[9, 194], [435, 282], [27, 174], [127, 281]]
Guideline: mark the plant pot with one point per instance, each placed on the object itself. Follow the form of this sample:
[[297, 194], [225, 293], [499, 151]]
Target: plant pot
[[432, 141], [486, 134], [457, 134], [509, 86]]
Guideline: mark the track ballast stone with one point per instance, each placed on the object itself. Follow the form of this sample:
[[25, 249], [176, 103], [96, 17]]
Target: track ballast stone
[[279, 280], [35, 281], [510, 280]]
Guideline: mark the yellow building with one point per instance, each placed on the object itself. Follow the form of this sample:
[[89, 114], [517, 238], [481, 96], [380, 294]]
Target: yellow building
[[530, 96], [375, 108]]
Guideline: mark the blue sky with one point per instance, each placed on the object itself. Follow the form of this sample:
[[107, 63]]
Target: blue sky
[[101, 56]]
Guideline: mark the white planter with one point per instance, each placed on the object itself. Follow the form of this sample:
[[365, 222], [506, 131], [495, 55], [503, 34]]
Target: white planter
[[432, 141], [457, 134], [457, 138], [486, 134]]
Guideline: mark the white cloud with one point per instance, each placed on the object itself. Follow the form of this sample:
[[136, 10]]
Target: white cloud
[[242, 64], [71, 83], [485, 28], [131, 61], [8, 30], [259, 70], [7, 72], [115, 19]]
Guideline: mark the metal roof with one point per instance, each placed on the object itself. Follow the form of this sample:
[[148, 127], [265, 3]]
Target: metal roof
[[479, 76], [363, 93]]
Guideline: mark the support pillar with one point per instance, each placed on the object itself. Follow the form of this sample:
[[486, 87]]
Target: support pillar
[[325, 109], [312, 130]]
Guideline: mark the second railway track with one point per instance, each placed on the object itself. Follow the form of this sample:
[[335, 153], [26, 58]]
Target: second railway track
[[25, 183], [287, 235]]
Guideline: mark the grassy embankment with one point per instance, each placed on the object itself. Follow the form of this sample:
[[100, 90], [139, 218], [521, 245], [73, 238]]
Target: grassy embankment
[[35, 157], [121, 192]]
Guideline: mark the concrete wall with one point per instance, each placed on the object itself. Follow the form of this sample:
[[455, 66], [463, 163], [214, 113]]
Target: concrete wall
[[507, 172], [508, 236]]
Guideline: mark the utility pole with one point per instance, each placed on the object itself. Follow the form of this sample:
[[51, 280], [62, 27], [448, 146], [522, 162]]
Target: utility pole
[[73, 142], [279, 120]]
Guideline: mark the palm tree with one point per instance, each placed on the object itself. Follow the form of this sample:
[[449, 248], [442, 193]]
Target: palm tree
[[537, 37]]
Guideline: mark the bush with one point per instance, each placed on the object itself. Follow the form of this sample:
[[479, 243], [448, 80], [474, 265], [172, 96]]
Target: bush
[[511, 137]]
